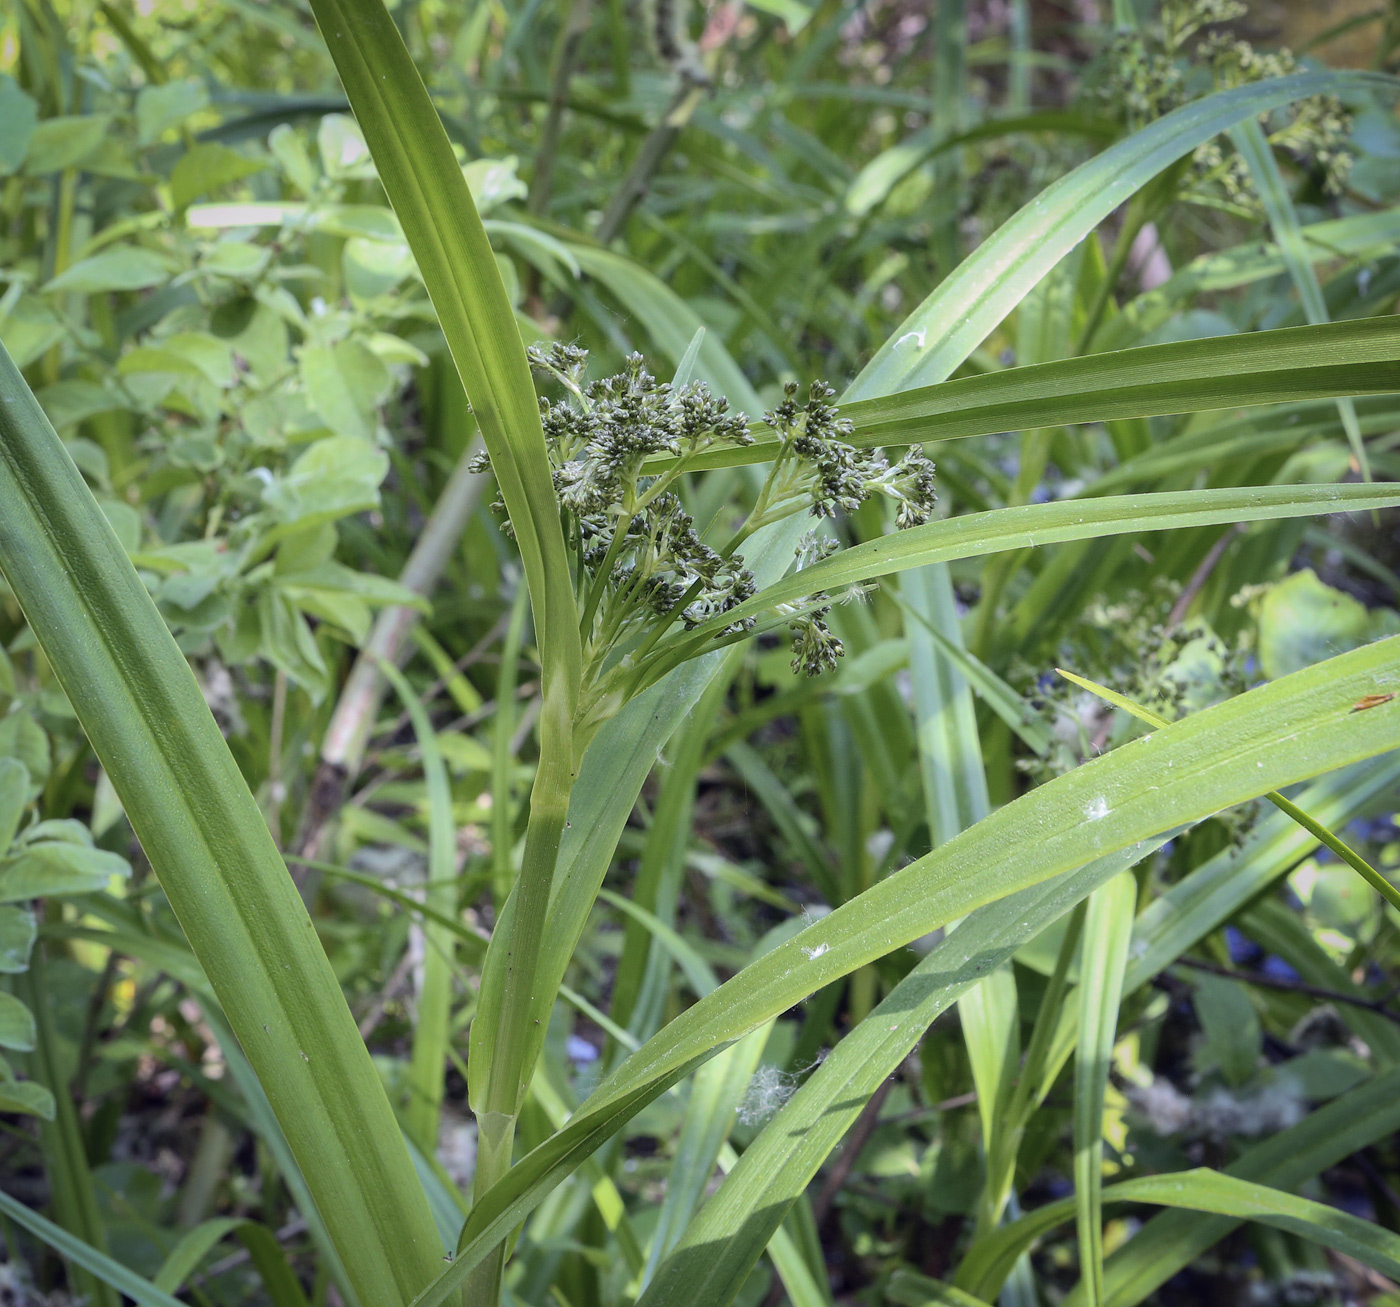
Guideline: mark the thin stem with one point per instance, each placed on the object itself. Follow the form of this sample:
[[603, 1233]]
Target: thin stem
[[1258, 978]]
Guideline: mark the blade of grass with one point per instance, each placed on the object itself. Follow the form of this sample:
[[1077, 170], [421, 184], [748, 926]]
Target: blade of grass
[[955, 797], [434, 206], [1108, 925], [104, 1269], [726, 1238], [431, 1029], [1254, 148]]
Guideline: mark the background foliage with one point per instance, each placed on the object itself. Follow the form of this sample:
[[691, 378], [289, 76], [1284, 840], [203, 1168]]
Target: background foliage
[[218, 310]]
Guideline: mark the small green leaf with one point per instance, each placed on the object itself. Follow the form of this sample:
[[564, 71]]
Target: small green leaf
[[61, 142], [69, 402], [287, 643], [19, 116], [23, 739], [289, 150], [26, 1097], [123, 269], [14, 794], [207, 168], [333, 478], [45, 870], [16, 1024], [1302, 621], [1233, 1037], [346, 383], [342, 146], [18, 927], [159, 108]]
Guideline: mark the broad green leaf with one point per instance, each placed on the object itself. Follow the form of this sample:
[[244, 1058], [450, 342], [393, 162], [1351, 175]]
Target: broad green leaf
[[23, 740], [26, 1097], [14, 796], [1302, 621], [1233, 1037], [129, 268], [968, 304], [346, 383], [205, 836], [332, 479], [69, 402], [1180, 774], [66, 140]]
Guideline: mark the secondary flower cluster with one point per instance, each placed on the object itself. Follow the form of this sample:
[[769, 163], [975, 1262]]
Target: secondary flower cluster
[[1150, 71], [619, 447]]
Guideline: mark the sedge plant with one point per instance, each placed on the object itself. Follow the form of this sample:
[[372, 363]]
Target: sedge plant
[[641, 589]]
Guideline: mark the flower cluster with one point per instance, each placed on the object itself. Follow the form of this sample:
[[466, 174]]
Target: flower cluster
[[818, 463], [1151, 71], [620, 446]]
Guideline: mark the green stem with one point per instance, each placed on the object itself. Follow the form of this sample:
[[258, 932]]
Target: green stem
[[509, 1039], [502, 732]]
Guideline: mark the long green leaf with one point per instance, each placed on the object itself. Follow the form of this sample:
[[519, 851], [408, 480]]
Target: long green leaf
[[431, 1030], [1255, 150], [85, 1255], [206, 839], [1191, 376], [430, 195], [1282, 732], [1225, 1195], [1107, 928], [424, 183]]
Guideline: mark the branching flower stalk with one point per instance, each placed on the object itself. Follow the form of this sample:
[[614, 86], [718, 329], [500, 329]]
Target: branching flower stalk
[[645, 573], [646, 576]]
